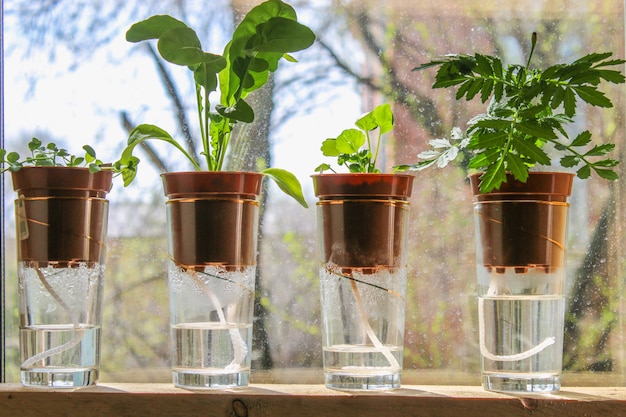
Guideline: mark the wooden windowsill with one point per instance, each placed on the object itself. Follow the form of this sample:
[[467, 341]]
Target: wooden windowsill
[[126, 399]]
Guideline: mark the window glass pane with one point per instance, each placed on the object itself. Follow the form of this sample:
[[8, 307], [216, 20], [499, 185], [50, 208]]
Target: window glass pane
[[70, 77]]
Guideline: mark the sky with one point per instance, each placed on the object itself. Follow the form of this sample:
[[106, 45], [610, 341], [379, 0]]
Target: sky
[[82, 106]]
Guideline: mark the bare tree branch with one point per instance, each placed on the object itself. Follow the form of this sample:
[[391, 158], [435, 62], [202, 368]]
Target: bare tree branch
[[178, 104]]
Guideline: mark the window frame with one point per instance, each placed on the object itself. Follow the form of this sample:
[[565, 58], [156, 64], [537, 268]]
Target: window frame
[[284, 399]]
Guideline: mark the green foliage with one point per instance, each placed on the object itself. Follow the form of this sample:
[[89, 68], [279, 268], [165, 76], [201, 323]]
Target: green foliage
[[349, 148], [529, 109], [267, 34], [49, 155]]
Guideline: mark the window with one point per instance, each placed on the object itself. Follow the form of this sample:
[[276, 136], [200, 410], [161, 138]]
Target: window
[[70, 77]]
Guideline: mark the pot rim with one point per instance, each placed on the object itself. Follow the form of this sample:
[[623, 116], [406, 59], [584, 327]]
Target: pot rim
[[32, 180], [358, 184], [193, 183], [544, 185]]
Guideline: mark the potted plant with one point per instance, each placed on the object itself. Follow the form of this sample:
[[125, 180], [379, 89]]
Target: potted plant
[[520, 211], [362, 220], [213, 214], [61, 217]]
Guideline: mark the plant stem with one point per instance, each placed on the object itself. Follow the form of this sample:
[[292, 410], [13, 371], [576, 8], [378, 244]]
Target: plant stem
[[393, 362]]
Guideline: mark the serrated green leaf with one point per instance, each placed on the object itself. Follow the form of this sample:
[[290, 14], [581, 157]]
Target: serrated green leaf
[[569, 102], [611, 76], [592, 96], [486, 90], [463, 89], [475, 87], [529, 150], [493, 124], [493, 177], [488, 140], [606, 163], [535, 130], [517, 167], [584, 172], [600, 150], [607, 174], [570, 161], [582, 139], [483, 67]]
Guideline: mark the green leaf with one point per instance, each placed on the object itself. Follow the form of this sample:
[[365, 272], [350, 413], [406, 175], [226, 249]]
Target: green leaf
[[486, 90], [283, 35], [89, 151], [528, 149], [13, 157], [323, 167], [483, 67], [600, 150], [329, 148], [474, 88], [592, 96], [582, 139], [517, 167], [607, 174], [152, 28], [569, 102], [488, 140], [181, 46], [570, 161], [138, 135], [535, 130], [287, 182], [615, 77], [241, 111], [350, 141], [381, 117], [584, 172], [493, 177]]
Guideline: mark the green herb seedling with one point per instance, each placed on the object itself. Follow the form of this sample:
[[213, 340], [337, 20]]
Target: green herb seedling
[[353, 147], [49, 155], [529, 108], [267, 34]]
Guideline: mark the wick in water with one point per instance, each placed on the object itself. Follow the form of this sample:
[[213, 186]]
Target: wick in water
[[77, 335], [548, 341], [393, 362], [240, 348]]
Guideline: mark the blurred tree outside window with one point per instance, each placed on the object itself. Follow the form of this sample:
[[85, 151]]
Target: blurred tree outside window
[[71, 77]]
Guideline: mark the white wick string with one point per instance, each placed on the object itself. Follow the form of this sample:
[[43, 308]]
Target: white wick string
[[393, 362], [548, 341], [77, 335], [240, 349]]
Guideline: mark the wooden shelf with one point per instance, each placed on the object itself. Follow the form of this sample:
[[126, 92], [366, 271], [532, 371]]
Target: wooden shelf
[[125, 399]]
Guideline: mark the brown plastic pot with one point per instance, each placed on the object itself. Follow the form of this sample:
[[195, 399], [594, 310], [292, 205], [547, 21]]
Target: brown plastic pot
[[212, 218], [61, 215], [523, 225], [362, 219]]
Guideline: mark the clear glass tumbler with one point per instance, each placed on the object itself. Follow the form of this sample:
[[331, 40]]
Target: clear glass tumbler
[[362, 220], [61, 217], [212, 234], [521, 254]]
